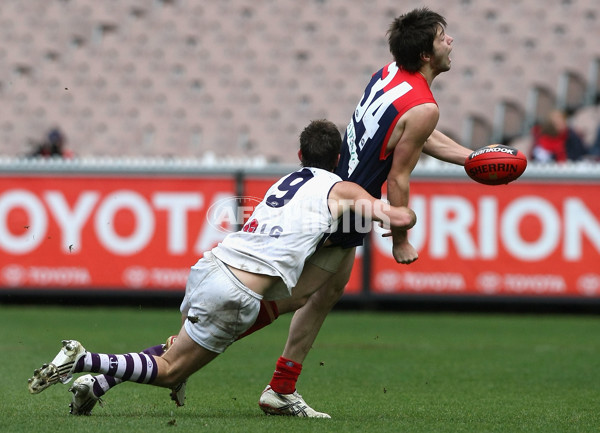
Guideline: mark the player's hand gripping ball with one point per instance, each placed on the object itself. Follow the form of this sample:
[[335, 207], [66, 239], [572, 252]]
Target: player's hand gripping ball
[[495, 164]]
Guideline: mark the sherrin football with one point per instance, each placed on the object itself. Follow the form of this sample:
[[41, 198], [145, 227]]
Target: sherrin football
[[495, 164]]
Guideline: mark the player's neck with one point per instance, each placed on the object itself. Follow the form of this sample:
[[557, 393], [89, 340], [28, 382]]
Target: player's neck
[[428, 77]]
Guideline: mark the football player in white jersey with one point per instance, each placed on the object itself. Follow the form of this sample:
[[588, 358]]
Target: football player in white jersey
[[226, 285]]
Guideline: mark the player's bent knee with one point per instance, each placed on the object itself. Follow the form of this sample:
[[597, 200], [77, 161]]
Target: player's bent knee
[[297, 303], [329, 294]]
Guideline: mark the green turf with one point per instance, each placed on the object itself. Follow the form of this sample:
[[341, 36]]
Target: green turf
[[372, 372]]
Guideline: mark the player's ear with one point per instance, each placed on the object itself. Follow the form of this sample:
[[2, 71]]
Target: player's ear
[[300, 155]]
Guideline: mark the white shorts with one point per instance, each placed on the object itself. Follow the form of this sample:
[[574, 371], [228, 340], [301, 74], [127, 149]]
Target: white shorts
[[218, 306]]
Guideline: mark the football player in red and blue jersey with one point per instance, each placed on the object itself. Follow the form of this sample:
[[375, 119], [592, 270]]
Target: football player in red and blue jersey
[[393, 124]]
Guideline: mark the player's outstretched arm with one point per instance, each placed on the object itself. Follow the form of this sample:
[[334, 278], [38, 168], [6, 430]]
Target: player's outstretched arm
[[442, 147], [350, 196]]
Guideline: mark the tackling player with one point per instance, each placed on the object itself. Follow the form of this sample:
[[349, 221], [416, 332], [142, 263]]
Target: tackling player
[[225, 287]]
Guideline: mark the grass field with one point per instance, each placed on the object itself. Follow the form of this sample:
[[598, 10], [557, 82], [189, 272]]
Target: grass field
[[373, 372]]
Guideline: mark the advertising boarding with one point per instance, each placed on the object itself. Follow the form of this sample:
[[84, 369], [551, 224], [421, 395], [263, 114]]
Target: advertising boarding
[[125, 232]]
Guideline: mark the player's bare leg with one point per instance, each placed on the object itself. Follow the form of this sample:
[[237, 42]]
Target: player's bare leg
[[310, 280], [183, 358], [307, 321], [280, 396]]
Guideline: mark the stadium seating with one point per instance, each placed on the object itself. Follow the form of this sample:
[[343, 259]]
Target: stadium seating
[[177, 78]]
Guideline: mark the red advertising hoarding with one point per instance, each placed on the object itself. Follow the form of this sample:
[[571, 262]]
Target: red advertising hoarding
[[120, 232], [526, 238], [106, 232]]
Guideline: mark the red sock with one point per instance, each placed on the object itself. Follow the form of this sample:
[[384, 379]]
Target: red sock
[[285, 376], [267, 314]]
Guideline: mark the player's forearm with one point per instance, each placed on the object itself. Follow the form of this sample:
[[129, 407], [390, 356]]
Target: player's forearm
[[398, 189], [442, 147], [398, 194]]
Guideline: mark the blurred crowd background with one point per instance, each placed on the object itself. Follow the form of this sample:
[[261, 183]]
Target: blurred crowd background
[[237, 80]]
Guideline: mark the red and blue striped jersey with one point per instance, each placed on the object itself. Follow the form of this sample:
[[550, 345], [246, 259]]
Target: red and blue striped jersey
[[390, 93]]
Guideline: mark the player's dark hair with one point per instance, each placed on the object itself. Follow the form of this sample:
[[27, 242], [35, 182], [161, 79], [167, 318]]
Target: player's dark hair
[[320, 144], [411, 35]]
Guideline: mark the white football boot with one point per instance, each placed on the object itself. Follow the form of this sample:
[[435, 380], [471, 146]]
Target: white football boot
[[84, 398], [273, 403], [59, 370]]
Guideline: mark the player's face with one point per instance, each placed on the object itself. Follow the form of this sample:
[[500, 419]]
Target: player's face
[[442, 45]]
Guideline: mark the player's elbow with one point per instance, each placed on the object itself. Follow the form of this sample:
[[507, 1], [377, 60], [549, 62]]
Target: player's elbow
[[398, 180]]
